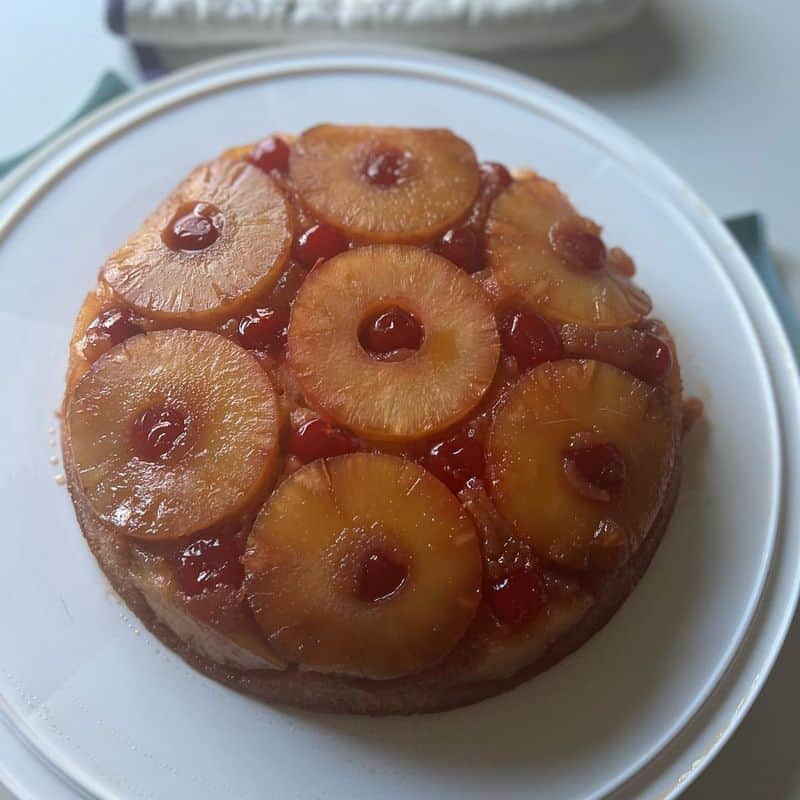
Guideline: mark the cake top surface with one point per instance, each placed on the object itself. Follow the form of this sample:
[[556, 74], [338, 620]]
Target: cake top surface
[[394, 402]]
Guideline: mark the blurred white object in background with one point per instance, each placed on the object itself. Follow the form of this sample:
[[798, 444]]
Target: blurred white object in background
[[478, 25]]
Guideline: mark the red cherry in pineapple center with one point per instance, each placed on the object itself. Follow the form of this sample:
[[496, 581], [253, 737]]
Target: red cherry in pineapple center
[[530, 339], [319, 242], [387, 166], [389, 331], [380, 576], [455, 460], [207, 563], [318, 439], [601, 466], [576, 241], [194, 226], [270, 154], [264, 329], [158, 431], [518, 597], [110, 327]]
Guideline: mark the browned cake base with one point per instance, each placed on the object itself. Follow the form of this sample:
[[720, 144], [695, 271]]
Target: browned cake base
[[423, 693]]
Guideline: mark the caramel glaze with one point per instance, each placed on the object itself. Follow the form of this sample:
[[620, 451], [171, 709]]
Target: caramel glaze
[[502, 550]]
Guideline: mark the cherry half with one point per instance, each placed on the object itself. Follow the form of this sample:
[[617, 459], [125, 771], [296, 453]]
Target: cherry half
[[270, 154], [462, 247], [207, 563], [158, 431], [496, 174], [110, 327], [595, 470], [530, 339], [264, 329], [576, 241], [455, 460], [319, 242], [387, 166], [389, 331], [380, 577], [317, 438], [655, 360], [517, 597]]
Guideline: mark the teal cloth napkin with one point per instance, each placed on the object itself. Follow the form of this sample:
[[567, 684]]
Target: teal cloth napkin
[[107, 88], [750, 232], [749, 229]]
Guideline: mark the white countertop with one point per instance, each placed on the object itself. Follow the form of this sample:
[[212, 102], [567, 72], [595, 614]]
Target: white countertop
[[711, 86]]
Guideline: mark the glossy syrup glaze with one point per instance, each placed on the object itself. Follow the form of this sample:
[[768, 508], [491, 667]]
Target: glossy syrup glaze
[[516, 586]]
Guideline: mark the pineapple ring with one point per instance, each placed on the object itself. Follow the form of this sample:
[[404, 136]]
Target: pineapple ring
[[206, 285], [530, 434], [523, 262], [431, 389], [306, 549], [326, 165], [225, 456]]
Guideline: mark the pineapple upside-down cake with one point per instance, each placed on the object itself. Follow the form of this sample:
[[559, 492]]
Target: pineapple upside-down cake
[[357, 423]]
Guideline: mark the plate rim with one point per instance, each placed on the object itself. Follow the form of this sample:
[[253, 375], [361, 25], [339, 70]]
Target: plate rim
[[187, 85]]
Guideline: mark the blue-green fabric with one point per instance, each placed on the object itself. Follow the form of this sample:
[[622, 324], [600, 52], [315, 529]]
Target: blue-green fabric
[[750, 232], [107, 88]]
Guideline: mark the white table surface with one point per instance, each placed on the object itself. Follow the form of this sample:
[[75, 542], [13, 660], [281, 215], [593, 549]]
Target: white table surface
[[711, 86]]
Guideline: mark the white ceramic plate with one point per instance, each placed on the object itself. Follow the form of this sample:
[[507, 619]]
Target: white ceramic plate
[[636, 712]]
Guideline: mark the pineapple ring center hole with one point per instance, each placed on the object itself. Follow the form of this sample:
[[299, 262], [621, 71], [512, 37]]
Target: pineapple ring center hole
[[380, 576], [194, 226], [390, 334], [386, 166], [367, 564], [159, 432], [594, 468]]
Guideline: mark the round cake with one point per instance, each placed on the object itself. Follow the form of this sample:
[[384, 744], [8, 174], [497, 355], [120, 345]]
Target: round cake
[[358, 423]]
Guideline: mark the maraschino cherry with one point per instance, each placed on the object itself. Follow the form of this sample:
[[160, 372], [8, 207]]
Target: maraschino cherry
[[317, 438], [530, 339]]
